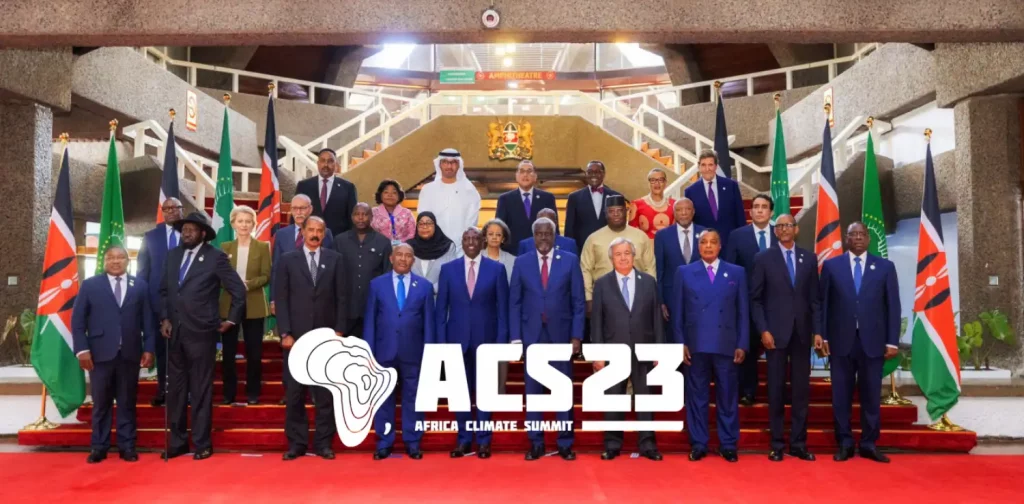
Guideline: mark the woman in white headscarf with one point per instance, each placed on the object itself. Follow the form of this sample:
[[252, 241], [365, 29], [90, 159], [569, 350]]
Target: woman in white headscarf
[[451, 197]]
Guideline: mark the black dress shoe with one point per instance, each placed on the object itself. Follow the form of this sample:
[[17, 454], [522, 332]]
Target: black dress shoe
[[535, 452], [609, 454], [414, 454], [96, 457], [460, 451], [325, 453], [730, 456], [747, 401], [156, 402], [484, 452], [252, 402], [567, 454], [281, 402], [292, 455], [775, 456], [697, 454], [652, 454], [129, 456], [843, 454], [203, 454], [382, 454], [875, 455], [802, 455], [168, 455]]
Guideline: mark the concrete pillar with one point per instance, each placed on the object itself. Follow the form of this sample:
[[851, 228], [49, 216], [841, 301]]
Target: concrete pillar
[[343, 69], [988, 185], [682, 69], [26, 167]]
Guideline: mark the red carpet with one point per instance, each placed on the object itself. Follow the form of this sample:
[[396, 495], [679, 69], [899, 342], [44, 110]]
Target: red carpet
[[232, 477]]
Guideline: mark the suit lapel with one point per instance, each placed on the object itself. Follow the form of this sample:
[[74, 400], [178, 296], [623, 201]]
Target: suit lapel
[[110, 290], [322, 267], [461, 268], [196, 262]]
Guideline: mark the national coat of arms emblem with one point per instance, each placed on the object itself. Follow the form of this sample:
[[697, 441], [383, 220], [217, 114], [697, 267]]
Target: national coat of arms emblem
[[509, 140]]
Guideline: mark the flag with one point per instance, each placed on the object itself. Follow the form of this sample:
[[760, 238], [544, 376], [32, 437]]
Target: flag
[[936, 363], [871, 212], [53, 355], [828, 240], [224, 201], [269, 207], [112, 215], [780, 172], [722, 141], [169, 179]]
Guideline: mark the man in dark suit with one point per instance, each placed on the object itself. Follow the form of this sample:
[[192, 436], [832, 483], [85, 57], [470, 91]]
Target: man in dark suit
[[675, 246], [152, 256], [714, 327], [398, 322], [518, 208], [860, 313], [332, 196], [365, 254], [311, 294], [717, 201], [547, 305], [289, 238], [527, 245], [190, 293], [745, 243], [113, 329], [785, 310], [626, 310], [471, 310], [585, 208]]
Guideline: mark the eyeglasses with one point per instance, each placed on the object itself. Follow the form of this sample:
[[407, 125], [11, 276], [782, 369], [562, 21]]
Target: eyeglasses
[[785, 225], [657, 181], [171, 208], [526, 171]]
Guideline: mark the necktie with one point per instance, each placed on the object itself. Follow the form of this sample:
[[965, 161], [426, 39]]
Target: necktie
[[625, 290], [312, 266], [687, 250], [598, 190], [471, 280], [298, 237], [400, 292], [544, 272], [711, 273], [791, 266], [713, 201], [858, 274], [184, 267], [528, 204], [173, 242], [323, 195], [117, 290], [761, 241]]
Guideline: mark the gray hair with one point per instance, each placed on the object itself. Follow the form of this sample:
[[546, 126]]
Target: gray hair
[[313, 218], [543, 221], [395, 247], [619, 241], [657, 170], [526, 162], [680, 200], [301, 197]]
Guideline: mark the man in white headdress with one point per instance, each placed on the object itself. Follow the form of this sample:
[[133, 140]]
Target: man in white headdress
[[451, 196]]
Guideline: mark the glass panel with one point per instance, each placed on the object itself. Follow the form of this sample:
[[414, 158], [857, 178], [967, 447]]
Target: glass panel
[[625, 56], [402, 57]]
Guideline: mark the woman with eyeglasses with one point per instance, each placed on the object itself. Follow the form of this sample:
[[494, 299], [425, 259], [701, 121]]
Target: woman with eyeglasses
[[654, 211]]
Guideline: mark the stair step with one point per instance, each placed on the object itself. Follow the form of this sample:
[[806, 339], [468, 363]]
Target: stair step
[[368, 153], [354, 161], [645, 146], [654, 153], [666, 160], [377, 146]]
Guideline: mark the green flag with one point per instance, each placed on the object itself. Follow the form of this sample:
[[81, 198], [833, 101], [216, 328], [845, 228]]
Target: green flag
[[224, 200], [112, 215], [872, 214], [780, 172]]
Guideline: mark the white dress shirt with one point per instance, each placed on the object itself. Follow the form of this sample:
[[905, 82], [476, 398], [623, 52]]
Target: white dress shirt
[[630, 284], [172, 232], [316, 256], [320, 185], [784, 250], [540, 261], [714, 266], [863, 264], [531, 191], [184, 257], [767, 234], [598, 199], [406, 280], [711, 186]]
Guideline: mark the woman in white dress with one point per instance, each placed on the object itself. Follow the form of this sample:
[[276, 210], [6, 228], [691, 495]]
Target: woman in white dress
[[431, 248]]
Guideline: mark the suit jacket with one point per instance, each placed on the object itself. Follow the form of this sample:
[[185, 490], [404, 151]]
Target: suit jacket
[[303, 306], [562, 304], [580, 219], [513, 213], [612, 321], [668, 257], [152, 256], [730, 206], [399, 335], [528, 246], [101, 327], [361, 263], [338, 214], [743, 246], [284, 242], [257, 274], [472, 321], [712, 317], [194, 304], [779, 306], [875, 309]]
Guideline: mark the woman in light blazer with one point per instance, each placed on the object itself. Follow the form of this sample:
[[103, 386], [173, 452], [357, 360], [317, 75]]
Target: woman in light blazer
[[431, 248], [251, 259], [496, 234]]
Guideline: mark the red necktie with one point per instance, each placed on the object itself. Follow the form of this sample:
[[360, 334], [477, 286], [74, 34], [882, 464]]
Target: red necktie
[[544, 273], [298, 237], [598, 190], [323, 195]]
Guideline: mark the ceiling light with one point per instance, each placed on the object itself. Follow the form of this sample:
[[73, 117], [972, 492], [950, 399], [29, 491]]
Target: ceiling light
[[513, 85], [507, 62], [500, 51], [510, 48]]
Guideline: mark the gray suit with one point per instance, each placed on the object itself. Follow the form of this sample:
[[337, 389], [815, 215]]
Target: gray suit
[[612, 321]]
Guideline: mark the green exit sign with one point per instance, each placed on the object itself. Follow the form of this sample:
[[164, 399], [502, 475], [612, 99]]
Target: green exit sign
[[458, 77]]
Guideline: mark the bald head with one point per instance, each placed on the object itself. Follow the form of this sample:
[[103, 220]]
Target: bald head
[[172, 210], [548, 213]]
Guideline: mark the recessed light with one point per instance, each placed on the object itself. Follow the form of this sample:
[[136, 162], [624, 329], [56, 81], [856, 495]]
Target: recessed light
[[507, 62]]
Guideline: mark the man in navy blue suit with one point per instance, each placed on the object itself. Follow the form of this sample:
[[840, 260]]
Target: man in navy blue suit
[[114, 334], [518, 208], [785, 310], [860, 313], [675, 246], [714, 327], [527, 245], [585, 208], [546, 305], [472, 309], [398, 322], [745, 243], [717, 201], [152, 255]]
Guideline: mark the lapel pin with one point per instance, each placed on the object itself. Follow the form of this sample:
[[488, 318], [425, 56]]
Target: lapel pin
[[372, 249], [726, 275], [801, 259], [558, 257], [201, 258], [872, 266], [557, 247], [414, 284], [322, 266], [536, 196], [229, 256]]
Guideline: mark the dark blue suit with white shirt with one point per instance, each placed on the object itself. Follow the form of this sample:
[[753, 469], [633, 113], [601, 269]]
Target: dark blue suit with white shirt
[[745, 243], [731, 214], [152, 255], [668, 257], [284, 242]]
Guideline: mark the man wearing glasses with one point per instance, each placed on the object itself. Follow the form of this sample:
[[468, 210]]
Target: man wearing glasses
[[152, 256], [518, 208]]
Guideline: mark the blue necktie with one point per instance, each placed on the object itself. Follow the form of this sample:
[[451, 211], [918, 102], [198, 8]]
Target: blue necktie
[[858, 274], [625, 290], [184, 268], [760, 241], [400, 292], [791, 267], [173, 242]]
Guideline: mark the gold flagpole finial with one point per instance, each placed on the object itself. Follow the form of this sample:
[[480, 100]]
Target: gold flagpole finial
[[718, 86], [778, 100], [113, 125], [828, 109], [928, 134], [64, 138], [270, 88], [227, 99], [871, 122], [172, 113]]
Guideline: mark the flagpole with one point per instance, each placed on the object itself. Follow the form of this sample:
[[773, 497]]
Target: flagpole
[[828, 110], [41, 423]]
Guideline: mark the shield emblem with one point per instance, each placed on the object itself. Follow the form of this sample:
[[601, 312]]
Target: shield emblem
[[511, 136]]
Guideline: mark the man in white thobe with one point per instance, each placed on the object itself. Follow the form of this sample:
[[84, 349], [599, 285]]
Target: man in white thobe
[[451, 196]]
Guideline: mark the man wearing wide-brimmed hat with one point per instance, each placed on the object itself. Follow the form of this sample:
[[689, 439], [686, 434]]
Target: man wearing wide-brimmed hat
[[190, 320]]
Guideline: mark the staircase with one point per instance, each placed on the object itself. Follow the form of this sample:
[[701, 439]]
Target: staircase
[[655, 154], [367, 154]]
